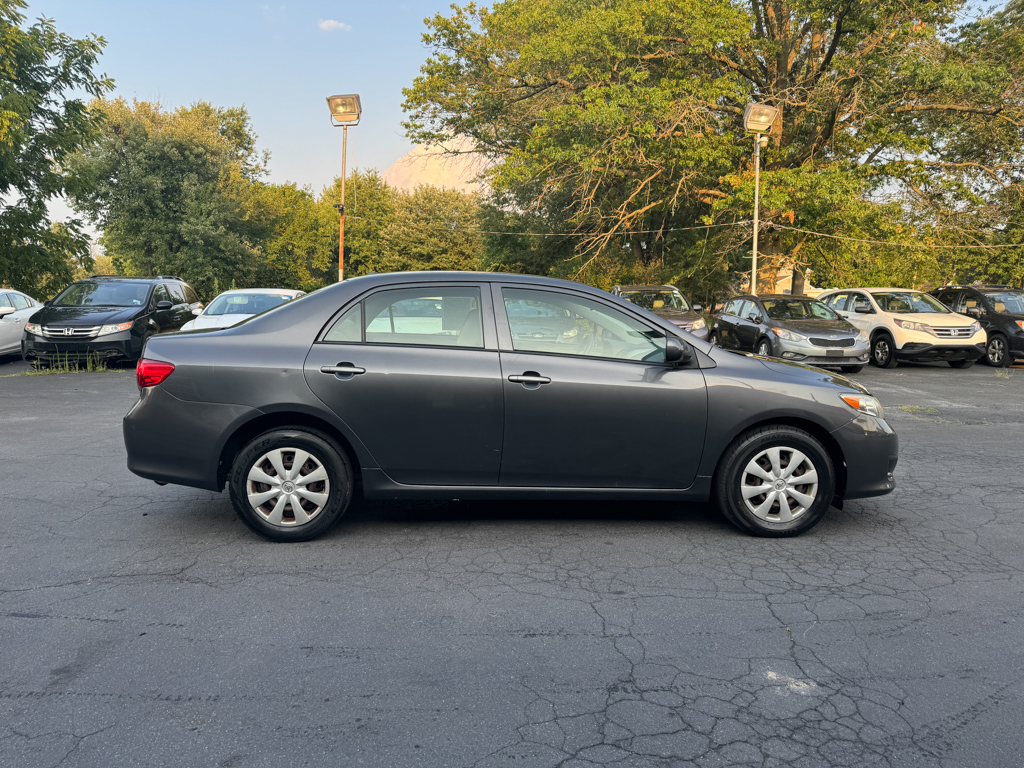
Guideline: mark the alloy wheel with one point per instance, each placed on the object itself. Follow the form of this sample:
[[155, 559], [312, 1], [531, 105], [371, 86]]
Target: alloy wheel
[[996, 351], [764, 350], [882, 351], [288, 487], [779, 484]]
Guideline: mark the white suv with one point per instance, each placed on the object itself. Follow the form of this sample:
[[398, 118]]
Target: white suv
[[904, 324]]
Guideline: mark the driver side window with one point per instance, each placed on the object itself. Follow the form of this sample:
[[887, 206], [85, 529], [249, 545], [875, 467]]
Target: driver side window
[[545, 321]]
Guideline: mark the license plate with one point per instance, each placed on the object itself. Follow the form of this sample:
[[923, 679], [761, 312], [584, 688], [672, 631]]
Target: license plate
[[834, 353]]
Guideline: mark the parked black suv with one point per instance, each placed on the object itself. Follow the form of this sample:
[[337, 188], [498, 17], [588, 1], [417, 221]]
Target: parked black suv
[[107, 317], [999, 309], [667, 302]]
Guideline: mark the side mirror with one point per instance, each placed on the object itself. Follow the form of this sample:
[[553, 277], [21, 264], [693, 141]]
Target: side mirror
[[5, 311], [697, 307], [164, 305], [862, 310], [676, 352], [752, 317], [197, 311], [974, 312]]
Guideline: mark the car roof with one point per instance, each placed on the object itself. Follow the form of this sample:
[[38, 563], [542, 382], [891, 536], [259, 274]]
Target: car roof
[[648, 288], [234, 291], [128, 278]]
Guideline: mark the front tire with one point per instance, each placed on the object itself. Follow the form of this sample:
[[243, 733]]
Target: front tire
[[997, 352], [764, 348], [775, 481], [291, 484], [883, 352]]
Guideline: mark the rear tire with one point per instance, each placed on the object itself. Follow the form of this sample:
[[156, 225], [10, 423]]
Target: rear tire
[[284, 502], [883, 352], [997, 352], [961, 363], [775, 459]]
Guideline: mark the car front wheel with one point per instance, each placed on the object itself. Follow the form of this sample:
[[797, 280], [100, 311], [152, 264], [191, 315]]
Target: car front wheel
[[775, 481], [764, 348], [291, 484]]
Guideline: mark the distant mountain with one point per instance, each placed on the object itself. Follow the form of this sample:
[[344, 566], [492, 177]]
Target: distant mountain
[[428, 165]]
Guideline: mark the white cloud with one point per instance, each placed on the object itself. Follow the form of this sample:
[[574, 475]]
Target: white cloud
[[330, 25]]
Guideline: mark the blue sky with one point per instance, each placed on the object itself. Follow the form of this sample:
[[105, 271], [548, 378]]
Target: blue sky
[[273, 57]]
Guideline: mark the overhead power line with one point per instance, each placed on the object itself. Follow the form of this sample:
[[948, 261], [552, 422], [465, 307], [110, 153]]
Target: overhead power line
[[889, 243]]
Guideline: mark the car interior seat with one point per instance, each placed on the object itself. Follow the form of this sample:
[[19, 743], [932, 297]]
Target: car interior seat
[[658, 304]]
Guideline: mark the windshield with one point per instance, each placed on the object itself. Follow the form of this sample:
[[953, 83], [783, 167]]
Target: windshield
[[245, 303], [103, 295], [655, 300], [908, 303], [1011, 302], [796, 309]]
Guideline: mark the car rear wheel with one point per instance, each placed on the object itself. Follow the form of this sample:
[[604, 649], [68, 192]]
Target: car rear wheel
[[775, 481], [961, 363], [883, 353], [291, 484], [996, 352]]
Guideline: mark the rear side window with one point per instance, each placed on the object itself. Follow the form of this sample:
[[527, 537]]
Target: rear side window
[[433, 316], [190, 295], [4, 301], [836, 301]]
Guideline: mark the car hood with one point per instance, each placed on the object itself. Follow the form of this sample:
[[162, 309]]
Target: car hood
[[816, 327], [214, 321], [675, 316], [935, 319], [810, 373], [84, 316]]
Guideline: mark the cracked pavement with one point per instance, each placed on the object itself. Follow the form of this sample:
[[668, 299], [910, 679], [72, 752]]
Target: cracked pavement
[[145, 626]]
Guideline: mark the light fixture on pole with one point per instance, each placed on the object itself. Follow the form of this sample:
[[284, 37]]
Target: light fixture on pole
[[757, 119], [345, 111]]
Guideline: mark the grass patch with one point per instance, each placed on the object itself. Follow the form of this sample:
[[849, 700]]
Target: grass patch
[[91, 364], [1003, 373], [917, 409]]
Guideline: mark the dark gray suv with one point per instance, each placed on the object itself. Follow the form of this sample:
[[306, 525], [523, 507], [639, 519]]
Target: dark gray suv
[[508, 387]]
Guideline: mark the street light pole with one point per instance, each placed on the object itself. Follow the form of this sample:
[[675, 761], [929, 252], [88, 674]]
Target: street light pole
[[757, 206], [346, 110]]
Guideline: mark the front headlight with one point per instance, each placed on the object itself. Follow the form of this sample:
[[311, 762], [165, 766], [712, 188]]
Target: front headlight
[[782, 333], [698, 325], [975, 327], [862, 335], [865, 404], [910, 325], [35, 330], [115, 328]]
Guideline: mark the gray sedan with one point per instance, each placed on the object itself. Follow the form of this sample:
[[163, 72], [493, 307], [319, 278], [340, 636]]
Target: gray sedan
[[356, 386]]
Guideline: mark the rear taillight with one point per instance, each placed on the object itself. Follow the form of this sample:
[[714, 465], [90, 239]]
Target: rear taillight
[[149, 373]]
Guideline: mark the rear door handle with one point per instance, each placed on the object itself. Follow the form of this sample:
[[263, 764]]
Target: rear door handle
[[342, 370], [530, 379]]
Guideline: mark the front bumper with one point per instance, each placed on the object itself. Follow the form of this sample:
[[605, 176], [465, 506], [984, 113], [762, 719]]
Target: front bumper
[[812, 354], [113, 346], [871, 450], [920, 352]]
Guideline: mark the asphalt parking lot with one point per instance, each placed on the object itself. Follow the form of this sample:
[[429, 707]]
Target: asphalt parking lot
[[146, 626]]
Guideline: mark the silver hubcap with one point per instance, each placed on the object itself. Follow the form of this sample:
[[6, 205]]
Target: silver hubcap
[[996, 350], [288, 487], [779, 484], [763, 350], [881, 351]]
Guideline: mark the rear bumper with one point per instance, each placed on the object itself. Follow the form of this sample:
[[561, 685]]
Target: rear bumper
[[178, 441], [923, 353], [115, 346], [871, 450]]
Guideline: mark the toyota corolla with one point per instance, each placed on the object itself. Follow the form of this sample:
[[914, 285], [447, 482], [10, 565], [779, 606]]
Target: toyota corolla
[[355, 386]]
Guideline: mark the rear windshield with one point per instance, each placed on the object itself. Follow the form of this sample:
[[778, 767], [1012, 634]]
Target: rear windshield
[[655, 300], [103, 295], [795, 309], [907, 303], [1011, 302], [245, 303]]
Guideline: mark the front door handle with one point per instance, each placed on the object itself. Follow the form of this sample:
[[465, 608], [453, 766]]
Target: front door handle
[[343, 371], [530, 379]]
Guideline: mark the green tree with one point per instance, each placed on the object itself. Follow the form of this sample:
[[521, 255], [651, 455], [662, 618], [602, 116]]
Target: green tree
[[177, 192], [41, 123], [632, 110], [433, 229], [370, 205]]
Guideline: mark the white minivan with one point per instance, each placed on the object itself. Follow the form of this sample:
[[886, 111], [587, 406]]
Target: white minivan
[[908, 325]]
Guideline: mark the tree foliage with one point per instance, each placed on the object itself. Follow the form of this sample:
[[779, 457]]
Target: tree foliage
[[896, 125], [41, 123]]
